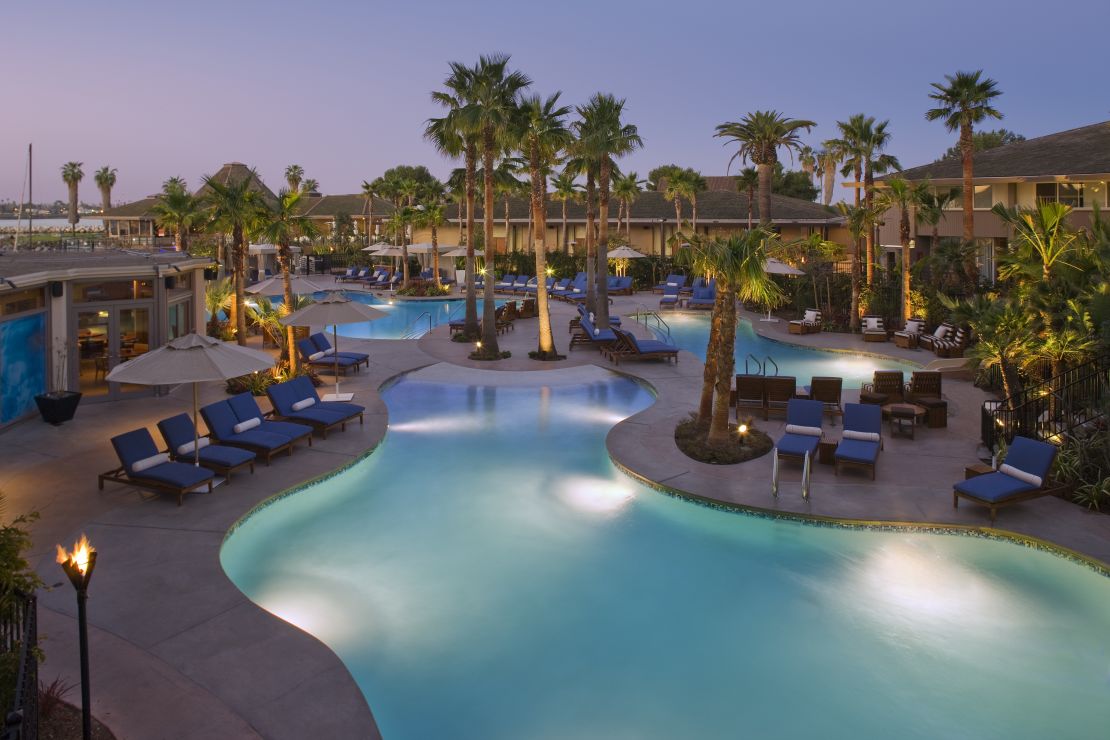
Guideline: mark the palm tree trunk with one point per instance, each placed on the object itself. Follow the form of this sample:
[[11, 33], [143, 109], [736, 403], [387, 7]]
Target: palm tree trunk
[[967, 149], [751, 197], [287, 353], [179, 239], [566, 246], [709, 372], [105, 202], [435, 253], [591, 245], [489, 321], [904, 235], [868, 199], [628, 220], [726, 346], [765, 171], [239, 252], [828, 185], [694, 207], [471, 319], [507, 240], [546, 340], [601, 304], [73, 206]]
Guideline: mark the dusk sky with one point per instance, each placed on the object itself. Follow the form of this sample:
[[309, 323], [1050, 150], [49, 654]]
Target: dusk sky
[[342, 88]]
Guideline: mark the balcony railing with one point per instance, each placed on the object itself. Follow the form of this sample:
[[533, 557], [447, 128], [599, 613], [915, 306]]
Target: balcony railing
[[19, 643]]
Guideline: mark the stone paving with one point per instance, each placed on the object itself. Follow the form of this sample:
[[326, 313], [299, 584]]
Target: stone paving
[[179, 652]]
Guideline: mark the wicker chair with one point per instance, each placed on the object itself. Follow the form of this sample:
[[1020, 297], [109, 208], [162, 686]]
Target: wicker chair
[[887, 386]]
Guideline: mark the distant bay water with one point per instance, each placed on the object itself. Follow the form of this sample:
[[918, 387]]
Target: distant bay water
[[50, 224]]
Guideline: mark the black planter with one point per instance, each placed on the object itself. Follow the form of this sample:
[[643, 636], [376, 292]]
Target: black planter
[[211, 273], [57, 408]]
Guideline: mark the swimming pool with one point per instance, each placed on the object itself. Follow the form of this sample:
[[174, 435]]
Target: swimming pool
[[691, 333], [405, 319], [488, 573]]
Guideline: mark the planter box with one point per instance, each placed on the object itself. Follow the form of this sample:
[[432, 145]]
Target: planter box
[[57, 408]]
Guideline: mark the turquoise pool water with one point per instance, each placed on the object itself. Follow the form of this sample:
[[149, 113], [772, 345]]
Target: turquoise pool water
[[691, 332], [405, 319], [487, 573]]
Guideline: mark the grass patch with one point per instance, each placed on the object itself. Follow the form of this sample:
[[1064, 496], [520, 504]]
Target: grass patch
[[739, 448]]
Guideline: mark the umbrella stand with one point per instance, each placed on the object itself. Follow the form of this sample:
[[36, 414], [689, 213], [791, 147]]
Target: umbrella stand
[[337, 396], [196, 432], [769, 317]]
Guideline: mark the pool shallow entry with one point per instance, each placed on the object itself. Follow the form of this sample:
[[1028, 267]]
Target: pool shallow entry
[[488, 573]]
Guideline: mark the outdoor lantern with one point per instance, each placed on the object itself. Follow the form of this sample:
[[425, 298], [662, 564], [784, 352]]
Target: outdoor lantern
[[743, 429]]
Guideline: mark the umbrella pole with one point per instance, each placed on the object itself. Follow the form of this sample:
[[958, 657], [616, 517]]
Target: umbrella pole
[[196, 432], [335, 343]]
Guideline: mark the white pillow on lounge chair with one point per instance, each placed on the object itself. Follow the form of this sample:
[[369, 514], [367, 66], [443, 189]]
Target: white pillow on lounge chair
[[329, 352], [304, 404], [913, 326], [149, 462], [862, 436], [871, 323], [940, 332], [1021, 475], [245, 425], [315, 356], [810, 317], [800, 429], [187, 448]]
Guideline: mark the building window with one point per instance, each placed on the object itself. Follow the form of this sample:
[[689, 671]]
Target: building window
[[180, 319], [1067, 193], [116, 290], [20, 301], [983, 197]]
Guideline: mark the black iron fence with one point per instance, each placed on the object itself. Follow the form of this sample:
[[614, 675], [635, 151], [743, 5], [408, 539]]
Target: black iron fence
[[1051, 409], [19, 644]]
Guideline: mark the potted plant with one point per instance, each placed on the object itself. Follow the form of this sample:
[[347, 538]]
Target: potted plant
[[58, 405]]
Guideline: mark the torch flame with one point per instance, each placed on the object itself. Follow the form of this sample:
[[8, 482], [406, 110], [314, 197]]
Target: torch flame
[[80, 555]]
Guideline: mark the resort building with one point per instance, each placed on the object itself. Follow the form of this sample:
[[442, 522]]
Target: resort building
[[65, 321], [1070, 167]]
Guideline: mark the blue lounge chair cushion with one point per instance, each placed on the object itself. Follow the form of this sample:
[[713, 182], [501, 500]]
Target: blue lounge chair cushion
[[797, 445], [320, 340], [857, 450], [221, 455], [221, 420], [178, 430], [650, 345], [307, 348], [138, 444], [302, 387], [1031, 456], [863, 417], [993, 487], [605, 335], [245, 407]]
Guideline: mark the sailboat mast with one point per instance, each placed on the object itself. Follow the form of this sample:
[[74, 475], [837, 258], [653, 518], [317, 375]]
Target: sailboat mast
[[30, 195]]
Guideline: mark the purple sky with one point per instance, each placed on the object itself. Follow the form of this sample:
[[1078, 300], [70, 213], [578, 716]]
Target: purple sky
[[157, 89]]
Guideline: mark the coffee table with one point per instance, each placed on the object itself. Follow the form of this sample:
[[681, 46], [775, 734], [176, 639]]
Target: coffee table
[[904, 417]]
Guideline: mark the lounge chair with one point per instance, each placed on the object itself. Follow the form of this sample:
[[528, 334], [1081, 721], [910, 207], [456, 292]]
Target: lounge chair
[[382, 280], [702, 298], [521, 284], [291, 401], [592, 336], [320, 340], [672, 281], [505, 283], [179, 433], [222, 421], [560, 288], [353, 274], [1021, 477], [142, 466], [751, 393], [953, 347], [577, 291], [312, 356], [623, 286], [614, 320], [246, 410], [941, 332], [873, 329], [778, 390], [803, 429], [670, 297], [885, 387], [923, 384], [628, 347], [527, 309], [909, 336], [810, 323], [827, 390], [862, 438]]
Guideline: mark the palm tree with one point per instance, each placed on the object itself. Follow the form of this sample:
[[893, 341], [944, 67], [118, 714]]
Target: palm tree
[[861, 145], [963, 102], [931, 209], [627, 189], [760, 135], [737, 261], [807, 158], [71, 176], [906, 197], [281, 225], [105, 179], [490, 108], [430, 216], [748, 182], [564, 188], [1004, 333], [679, 185], [607, 137], [828, 159], [179, 210], [368, 194], [697, 185], [542, 136], [860, 220], [233, 208], [294, 176], [310, 186], [1041, 239]]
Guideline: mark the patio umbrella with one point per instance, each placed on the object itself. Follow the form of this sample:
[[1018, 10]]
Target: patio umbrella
[[375, 247], [624, 253], [191, 358], [301, 285], [332, 310], [461, 252], [777, 267]]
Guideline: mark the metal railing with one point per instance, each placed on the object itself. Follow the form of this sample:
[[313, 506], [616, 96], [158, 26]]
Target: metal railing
[[643, 315], [19, 635], [1052, 409], [749, 361], [412, 331]]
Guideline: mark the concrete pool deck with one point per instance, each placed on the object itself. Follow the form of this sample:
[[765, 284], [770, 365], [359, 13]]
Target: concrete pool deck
[[178, 651]]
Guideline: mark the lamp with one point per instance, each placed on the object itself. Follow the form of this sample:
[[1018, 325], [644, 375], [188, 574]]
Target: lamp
[[78, 566]]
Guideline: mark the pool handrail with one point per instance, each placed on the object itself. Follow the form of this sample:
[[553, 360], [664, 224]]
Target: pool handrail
[[759, 365], [647, 313], [411, 332], [772, 361]]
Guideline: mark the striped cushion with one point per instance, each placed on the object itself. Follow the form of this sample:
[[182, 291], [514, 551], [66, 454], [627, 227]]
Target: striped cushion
[[871, 323]]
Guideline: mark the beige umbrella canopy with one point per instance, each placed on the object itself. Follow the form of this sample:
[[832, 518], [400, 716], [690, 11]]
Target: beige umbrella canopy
[[332, 310], [376, 247], [301, 285], [778, 267], [191, 358], [461, 252], [624, 253]]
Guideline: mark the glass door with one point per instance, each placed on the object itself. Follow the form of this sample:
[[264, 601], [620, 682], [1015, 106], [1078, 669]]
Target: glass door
[[107, 336]]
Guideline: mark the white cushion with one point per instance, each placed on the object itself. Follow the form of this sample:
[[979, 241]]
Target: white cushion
[[315, 356], [304, 404], [1021, 475], [800, 429], [940, 332], [187, 448], [671, 285], [810, 317], [914, 327], [597, 332], [245, 425], [329, 352], [871, 323], [864, 436], [149, 462]]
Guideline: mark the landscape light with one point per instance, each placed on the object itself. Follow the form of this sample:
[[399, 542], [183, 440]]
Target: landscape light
[[743, 429]]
